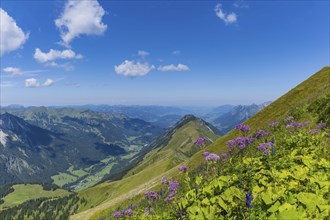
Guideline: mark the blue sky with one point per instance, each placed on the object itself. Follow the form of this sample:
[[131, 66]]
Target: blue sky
[[200, 53]]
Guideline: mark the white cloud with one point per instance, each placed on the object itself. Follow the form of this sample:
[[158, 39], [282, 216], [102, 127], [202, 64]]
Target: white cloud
[[133, 69], [176, 52], [143, 53], [229, 18], [31, 83], [172, 67], [81, 17], [240, 4], [48, 82], [55, 54], [12, 70], [12, 37]]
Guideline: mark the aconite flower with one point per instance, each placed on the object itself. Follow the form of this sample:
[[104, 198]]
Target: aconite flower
[[248, 199]]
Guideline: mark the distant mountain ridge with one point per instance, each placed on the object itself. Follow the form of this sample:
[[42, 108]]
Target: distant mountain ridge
[[43, 142]]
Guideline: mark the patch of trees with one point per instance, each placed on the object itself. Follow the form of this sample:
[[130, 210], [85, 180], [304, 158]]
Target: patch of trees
[[45, 208]]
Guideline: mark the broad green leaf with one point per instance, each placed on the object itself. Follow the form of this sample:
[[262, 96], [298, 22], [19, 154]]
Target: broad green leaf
[[289, 214], [206, 201], [274, 207]]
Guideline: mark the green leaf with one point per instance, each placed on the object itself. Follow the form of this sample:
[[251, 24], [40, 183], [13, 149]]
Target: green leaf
[[222, 204], [274, 207], [198, 180], [206, 201], [266, 197], [289, 214]]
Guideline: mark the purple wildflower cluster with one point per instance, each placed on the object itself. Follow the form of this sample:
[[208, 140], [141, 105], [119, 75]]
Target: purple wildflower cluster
[[201, 140], [224, 157], [295, 124], [248, 199], [183, 169], [118, 214], [321, 125], [265, 147], [172, 187], [150, 195], [240, 142], [262, 133], [210, 156], [243, 128], [273, 124], [314, 131], [127, 212]]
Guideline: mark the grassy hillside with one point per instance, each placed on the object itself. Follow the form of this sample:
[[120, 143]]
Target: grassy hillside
[[292, 103], [298, 102], [166, 155], [24, 192]]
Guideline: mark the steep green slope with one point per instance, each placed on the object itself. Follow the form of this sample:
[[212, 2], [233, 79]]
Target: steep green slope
[[169, 150], [294, 103], [298, 102]]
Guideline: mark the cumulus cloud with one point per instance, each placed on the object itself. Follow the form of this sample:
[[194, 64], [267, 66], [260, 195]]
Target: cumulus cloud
[[80, 17], [54, 55], [228, 18], [143, 53], [12, 37], [33, 83], [172, 67], [133, 68], [12, 70], [48, 82]]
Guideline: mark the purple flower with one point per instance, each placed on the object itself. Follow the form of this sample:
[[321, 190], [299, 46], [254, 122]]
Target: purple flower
[[117, 215], [164, 181], [231, 143], [314, 131], [205, 154], [243, 128], [265, 147], [261, 133], [183, 169], [168, 199], [240, 142], [273, 124], [321, 125], [212, 157], [294, 124], [305, 123], [128, 212], [173, 185], [150, 195], [224, 156], [201, 140], [248, 199]]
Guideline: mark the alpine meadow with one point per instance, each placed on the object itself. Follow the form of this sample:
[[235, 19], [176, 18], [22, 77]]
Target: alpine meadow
[[201, 110]]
